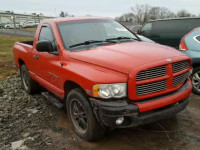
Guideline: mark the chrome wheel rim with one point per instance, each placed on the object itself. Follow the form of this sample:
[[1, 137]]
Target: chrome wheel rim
[[25, 79], [78, 116], [196, 81]]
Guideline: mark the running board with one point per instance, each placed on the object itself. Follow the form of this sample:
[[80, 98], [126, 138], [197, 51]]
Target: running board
[[52, 99]]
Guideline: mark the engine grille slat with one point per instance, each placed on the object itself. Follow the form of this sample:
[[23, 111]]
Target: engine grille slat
[[151, 73], [151, 87], [160, 71], [179, 66], [180, 79]]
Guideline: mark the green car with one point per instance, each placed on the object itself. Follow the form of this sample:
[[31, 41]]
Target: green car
[[168, 31]]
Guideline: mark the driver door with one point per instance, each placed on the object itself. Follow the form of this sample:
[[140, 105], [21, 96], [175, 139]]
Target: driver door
[[47, 64]]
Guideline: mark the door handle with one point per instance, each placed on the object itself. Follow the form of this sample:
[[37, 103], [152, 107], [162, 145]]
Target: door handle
[[36, 57]]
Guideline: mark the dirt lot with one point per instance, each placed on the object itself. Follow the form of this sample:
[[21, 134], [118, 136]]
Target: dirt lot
[[31, 122]]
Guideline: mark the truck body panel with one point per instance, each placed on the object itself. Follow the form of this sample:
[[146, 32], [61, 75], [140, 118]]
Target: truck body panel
[[108, 64]]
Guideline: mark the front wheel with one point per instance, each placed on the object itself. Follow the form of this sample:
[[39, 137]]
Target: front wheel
[[195, 77], [82, 117], [29, 85]]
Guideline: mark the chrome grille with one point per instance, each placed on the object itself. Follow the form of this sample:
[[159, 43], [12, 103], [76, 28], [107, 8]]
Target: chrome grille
[[179, 66], [151, 73], [180, 79], [151, 87]]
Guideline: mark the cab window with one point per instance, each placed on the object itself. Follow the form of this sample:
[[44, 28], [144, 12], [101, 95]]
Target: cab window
[[47, 34], [146, 29]]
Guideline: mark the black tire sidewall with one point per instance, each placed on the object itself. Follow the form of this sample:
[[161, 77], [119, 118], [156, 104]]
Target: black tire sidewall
[[25, 70], [94, 129], [32, 85], [193, 88]]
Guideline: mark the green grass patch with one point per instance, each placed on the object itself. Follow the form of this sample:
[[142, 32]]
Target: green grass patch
[[7, 65]]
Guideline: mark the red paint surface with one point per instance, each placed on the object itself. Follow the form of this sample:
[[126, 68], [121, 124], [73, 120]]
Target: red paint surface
[[114, 63]]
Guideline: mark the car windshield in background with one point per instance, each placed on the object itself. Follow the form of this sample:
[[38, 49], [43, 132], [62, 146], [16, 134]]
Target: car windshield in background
[[84, 34]]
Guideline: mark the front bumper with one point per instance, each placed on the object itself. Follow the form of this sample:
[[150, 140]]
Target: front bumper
[[107, 112]]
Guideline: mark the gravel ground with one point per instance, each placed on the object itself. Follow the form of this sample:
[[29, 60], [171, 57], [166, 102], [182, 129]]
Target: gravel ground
[[31, 122], [27, 119]]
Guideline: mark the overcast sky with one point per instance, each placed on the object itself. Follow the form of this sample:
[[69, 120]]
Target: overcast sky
[[108, 8]]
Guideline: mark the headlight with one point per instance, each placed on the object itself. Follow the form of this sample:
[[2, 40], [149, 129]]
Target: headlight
[[117, 90]]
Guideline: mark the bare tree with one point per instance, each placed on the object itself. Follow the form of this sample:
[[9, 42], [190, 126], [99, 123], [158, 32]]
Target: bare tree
[[62, 14], [160, 13], [128, 17], [141, 13], [65, 14], [184, 13]]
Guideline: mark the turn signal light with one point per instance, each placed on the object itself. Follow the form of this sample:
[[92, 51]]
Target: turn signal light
[[183, 46]]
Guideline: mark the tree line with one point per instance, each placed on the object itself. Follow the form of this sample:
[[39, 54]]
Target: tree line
[[143, 13]]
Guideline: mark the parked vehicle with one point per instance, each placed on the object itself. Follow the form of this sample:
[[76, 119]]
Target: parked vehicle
[[169, 31], [145, 39], [27, 24], [135, 28], [11, 25], [190, 45], [103, 74]]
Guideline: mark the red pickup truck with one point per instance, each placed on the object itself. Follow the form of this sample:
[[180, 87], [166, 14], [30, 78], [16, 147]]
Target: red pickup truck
[[103, 74]]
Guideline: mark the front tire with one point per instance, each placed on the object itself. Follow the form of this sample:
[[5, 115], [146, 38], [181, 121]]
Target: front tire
[[82, 117], [29, 85], [195, 77]]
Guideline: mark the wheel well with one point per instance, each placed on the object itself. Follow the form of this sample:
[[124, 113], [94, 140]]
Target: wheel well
[[196, 65], [70, 85], [21, 62]]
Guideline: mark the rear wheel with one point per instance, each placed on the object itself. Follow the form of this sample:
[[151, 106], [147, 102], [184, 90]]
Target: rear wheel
[[29, 85], [82, 117], [195, 77]]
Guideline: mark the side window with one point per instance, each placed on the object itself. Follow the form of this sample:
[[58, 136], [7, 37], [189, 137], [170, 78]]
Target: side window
[[47, 34], [198, 38], [146, 29], [170, 28]]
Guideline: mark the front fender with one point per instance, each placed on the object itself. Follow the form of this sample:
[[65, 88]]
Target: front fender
[[86, 75]]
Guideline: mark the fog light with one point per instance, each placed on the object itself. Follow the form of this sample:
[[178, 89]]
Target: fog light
[[119, 121]]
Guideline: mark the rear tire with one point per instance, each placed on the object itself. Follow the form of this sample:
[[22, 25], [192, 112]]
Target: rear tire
[[195, 77], [29, 85], [82, 117]]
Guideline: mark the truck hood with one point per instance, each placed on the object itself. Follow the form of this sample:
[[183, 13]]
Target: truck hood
[[122, 57]]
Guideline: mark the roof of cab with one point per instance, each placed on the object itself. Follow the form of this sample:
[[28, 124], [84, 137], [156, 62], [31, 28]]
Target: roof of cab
[[64, 19]]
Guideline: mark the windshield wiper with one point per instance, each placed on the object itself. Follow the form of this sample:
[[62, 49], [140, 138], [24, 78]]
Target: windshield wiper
[[122, 38], [90, 42]]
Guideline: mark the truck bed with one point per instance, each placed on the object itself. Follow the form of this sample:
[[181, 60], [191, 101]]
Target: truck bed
[[27, 42]]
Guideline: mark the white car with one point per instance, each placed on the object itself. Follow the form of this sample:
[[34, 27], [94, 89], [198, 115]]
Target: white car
[[11, 25], [29, 24]]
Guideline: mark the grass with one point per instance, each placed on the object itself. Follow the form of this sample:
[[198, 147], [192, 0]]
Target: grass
[[29, 29], [7, 65]]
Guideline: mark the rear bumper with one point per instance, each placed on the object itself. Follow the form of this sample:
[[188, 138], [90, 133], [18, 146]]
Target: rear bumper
[[108, 112]]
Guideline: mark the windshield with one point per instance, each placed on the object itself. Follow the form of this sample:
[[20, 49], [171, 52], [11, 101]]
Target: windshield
[[84, 34]]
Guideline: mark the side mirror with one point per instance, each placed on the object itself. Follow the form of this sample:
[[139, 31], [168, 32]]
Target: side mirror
[[138, 31], [44, 46]]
